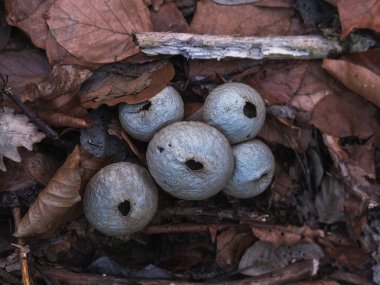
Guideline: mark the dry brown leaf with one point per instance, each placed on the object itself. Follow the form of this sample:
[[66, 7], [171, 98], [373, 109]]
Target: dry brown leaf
[[98, 31], [277, 82], [119, 89], [243, 20], [61, 120], [169, 19], [63, 79], [285, 235], [317, 282], [28, 16], [343, 115], [16, 131], [230, 246], [362, 14], [23, 67], [55, 201], [360, 73], [345, 252]]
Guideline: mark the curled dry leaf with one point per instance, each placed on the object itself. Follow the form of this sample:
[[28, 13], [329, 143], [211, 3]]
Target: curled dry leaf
[[363, 14], [23, 67], [59, 119], [243, 20], [230, 246], [16, 130], [360, 73], [63, 79], [285, 235], [263, 257], [98, 31], [55, 201], [112, 89]]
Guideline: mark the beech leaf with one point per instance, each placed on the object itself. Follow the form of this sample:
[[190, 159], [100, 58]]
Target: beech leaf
[[55, 201], [15, 131], [98, 31]]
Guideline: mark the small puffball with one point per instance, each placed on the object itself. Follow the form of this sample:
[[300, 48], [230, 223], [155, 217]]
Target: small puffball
[[190, 160], [120, 199], [143, 120], [254, 169], [236, 110]]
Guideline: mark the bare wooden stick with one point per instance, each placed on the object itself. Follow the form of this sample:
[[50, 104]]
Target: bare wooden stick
[[295, 272], [197, 46], [23, 250], [184, 228]]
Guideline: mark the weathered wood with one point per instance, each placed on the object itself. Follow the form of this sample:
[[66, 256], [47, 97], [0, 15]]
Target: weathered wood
[[295, 272], [197, 46]]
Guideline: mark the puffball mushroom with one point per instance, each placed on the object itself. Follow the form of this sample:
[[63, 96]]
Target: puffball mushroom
[[143, 120], [120, 199], [236, 110], [254, 168], [190, 160]]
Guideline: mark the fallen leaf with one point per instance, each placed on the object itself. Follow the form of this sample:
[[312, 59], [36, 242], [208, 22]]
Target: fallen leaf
[[355, 14], [345, 252], [263, 257], [55, 201], [357, 75], [18, 175], [98, 31], [63, 79], [230, 246], [62, 120], [317, 282], [329, 201], [16, 130], [23, 67], [285, 235], [29, 17], [277, 82], [113, 89], [42, 167], [343, 115], [242, 20], [169, 19]]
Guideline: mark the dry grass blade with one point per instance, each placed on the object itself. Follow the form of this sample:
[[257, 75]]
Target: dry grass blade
[[55, 201]]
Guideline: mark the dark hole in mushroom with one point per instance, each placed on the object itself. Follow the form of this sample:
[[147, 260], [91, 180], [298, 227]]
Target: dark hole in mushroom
[[160, 149], [249, 110], [194, 165], [124, 207], [146, 106]]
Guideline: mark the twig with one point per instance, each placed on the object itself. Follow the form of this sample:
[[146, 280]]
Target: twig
[[295, 272], [350, 278], [5, 89], [23, 250], [184, 228], [217, 47], [238, 214]]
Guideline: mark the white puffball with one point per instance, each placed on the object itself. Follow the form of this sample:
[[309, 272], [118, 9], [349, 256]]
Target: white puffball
[[236, 110], [254, 169], [143, 120], [190, 160]]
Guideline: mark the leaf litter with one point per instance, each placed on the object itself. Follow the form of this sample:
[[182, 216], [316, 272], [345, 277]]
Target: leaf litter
[[322, 126]]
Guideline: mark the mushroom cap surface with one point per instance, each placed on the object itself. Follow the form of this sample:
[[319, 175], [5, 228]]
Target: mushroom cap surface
[[254, 169], [120, 199], [190, 160], [143, 120], [235, 109]]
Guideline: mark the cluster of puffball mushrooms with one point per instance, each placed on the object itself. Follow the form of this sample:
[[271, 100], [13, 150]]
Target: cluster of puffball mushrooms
[[191, 160]]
